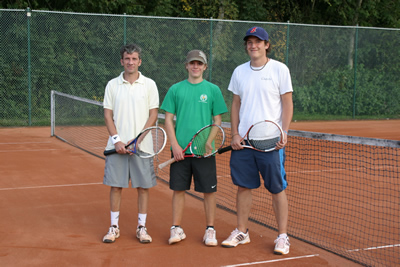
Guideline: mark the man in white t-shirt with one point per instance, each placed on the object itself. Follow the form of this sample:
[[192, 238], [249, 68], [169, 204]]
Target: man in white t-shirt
[[130, 105], [262, 89]]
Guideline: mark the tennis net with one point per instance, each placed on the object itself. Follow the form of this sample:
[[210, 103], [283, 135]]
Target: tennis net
[[344, 191]]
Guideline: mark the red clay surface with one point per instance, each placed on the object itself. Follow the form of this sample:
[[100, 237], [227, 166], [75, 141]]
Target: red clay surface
[[383, 129], [55, 211]]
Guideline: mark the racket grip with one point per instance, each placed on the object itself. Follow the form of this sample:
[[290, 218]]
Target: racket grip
[[224, 149], [168, 162], [109, 152]]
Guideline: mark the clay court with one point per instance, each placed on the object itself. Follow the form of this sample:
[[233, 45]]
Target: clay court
[[55, 211]]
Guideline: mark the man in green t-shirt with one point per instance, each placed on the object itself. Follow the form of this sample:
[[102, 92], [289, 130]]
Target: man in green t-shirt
[[196, 103]]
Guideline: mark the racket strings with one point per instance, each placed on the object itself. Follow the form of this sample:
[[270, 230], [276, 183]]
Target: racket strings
[[265, 144], [208, 141], [150, 142], [264, 136]]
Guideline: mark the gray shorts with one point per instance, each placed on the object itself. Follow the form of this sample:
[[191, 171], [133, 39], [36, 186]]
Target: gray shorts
[[120, 169]]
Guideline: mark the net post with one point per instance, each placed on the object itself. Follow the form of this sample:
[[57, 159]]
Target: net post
[[52, 111]]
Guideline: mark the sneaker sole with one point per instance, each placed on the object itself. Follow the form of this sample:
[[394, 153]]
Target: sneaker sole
[[278, 252], [175, 240], [233, 246], [110, 240]]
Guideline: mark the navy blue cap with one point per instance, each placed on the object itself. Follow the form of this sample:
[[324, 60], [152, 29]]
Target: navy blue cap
[[257, 32]]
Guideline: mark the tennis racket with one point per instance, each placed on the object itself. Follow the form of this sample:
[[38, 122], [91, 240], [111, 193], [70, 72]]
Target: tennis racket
[[147, 144], [203, 144], [261, 136]]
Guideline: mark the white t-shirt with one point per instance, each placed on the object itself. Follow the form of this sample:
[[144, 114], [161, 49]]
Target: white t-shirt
[[260, 92], [130, 104]]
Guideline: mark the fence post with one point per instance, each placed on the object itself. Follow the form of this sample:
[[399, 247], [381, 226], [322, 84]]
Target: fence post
[[28, 15], [355, 72], [210, 56], [287, 45], [124, 28], [52, 111]]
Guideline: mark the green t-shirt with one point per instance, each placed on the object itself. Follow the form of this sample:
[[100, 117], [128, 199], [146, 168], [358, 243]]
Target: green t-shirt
[[194, 106]]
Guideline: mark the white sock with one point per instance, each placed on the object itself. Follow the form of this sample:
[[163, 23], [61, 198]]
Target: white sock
[[114, 218], [283, 235], [142, 219]]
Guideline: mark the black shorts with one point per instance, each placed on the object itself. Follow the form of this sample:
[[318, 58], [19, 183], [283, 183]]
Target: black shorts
[[204, 174]]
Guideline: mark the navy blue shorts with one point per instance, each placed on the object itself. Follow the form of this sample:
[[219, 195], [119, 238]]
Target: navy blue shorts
[[247, 165]]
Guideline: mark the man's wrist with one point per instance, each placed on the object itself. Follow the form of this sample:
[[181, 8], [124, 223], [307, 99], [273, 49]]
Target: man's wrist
[[115, 139]]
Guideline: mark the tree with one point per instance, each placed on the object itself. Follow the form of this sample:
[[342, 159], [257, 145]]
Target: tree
[[369, 13]]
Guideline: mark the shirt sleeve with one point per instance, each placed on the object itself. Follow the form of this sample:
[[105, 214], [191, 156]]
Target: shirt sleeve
[[285, 80], [168, 104], [154, 100], [219, 103], [108, 99]]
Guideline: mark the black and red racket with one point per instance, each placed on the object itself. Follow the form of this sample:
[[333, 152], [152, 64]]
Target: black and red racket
[[261, 136], [205, 143]]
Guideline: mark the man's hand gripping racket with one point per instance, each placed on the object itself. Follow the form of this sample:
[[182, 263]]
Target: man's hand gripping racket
[[205, 143], [147, 144], [263, 136]]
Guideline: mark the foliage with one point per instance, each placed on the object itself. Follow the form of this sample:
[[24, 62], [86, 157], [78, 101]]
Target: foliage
[[78, 53], [333, 93], [378, 13]]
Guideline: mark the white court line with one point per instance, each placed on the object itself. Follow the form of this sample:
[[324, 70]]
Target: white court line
[[270, 261], [372, 248], [27, 150], [46, 186], [21, 143]]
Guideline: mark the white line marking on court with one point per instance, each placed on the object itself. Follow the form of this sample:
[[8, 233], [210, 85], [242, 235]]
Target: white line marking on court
[[27, 150], [270, 261], [46, 186], [21, 143], [371, 248]]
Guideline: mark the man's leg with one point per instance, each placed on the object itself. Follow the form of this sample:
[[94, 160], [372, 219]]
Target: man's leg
[[143, 202], [178, 205], [281, 209], [115, 203], [115, 198], [210, 206], [243, 205]]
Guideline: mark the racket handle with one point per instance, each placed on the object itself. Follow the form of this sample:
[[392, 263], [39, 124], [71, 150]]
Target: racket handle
[[168, 162], [224, 149], [109, 152]]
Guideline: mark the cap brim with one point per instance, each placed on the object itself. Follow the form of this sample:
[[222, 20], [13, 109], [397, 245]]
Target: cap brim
[[196, 59]]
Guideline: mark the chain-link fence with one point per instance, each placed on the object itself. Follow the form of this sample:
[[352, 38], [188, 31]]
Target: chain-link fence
[[337, 72]]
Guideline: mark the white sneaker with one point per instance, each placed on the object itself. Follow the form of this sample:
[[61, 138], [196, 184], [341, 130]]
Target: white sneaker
[[282, 245], [236, 238], [142, 235], [210, 237], [113, 233], [177, 235]]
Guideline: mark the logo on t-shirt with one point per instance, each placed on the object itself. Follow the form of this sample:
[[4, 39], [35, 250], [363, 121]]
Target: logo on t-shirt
[[203, 98]]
